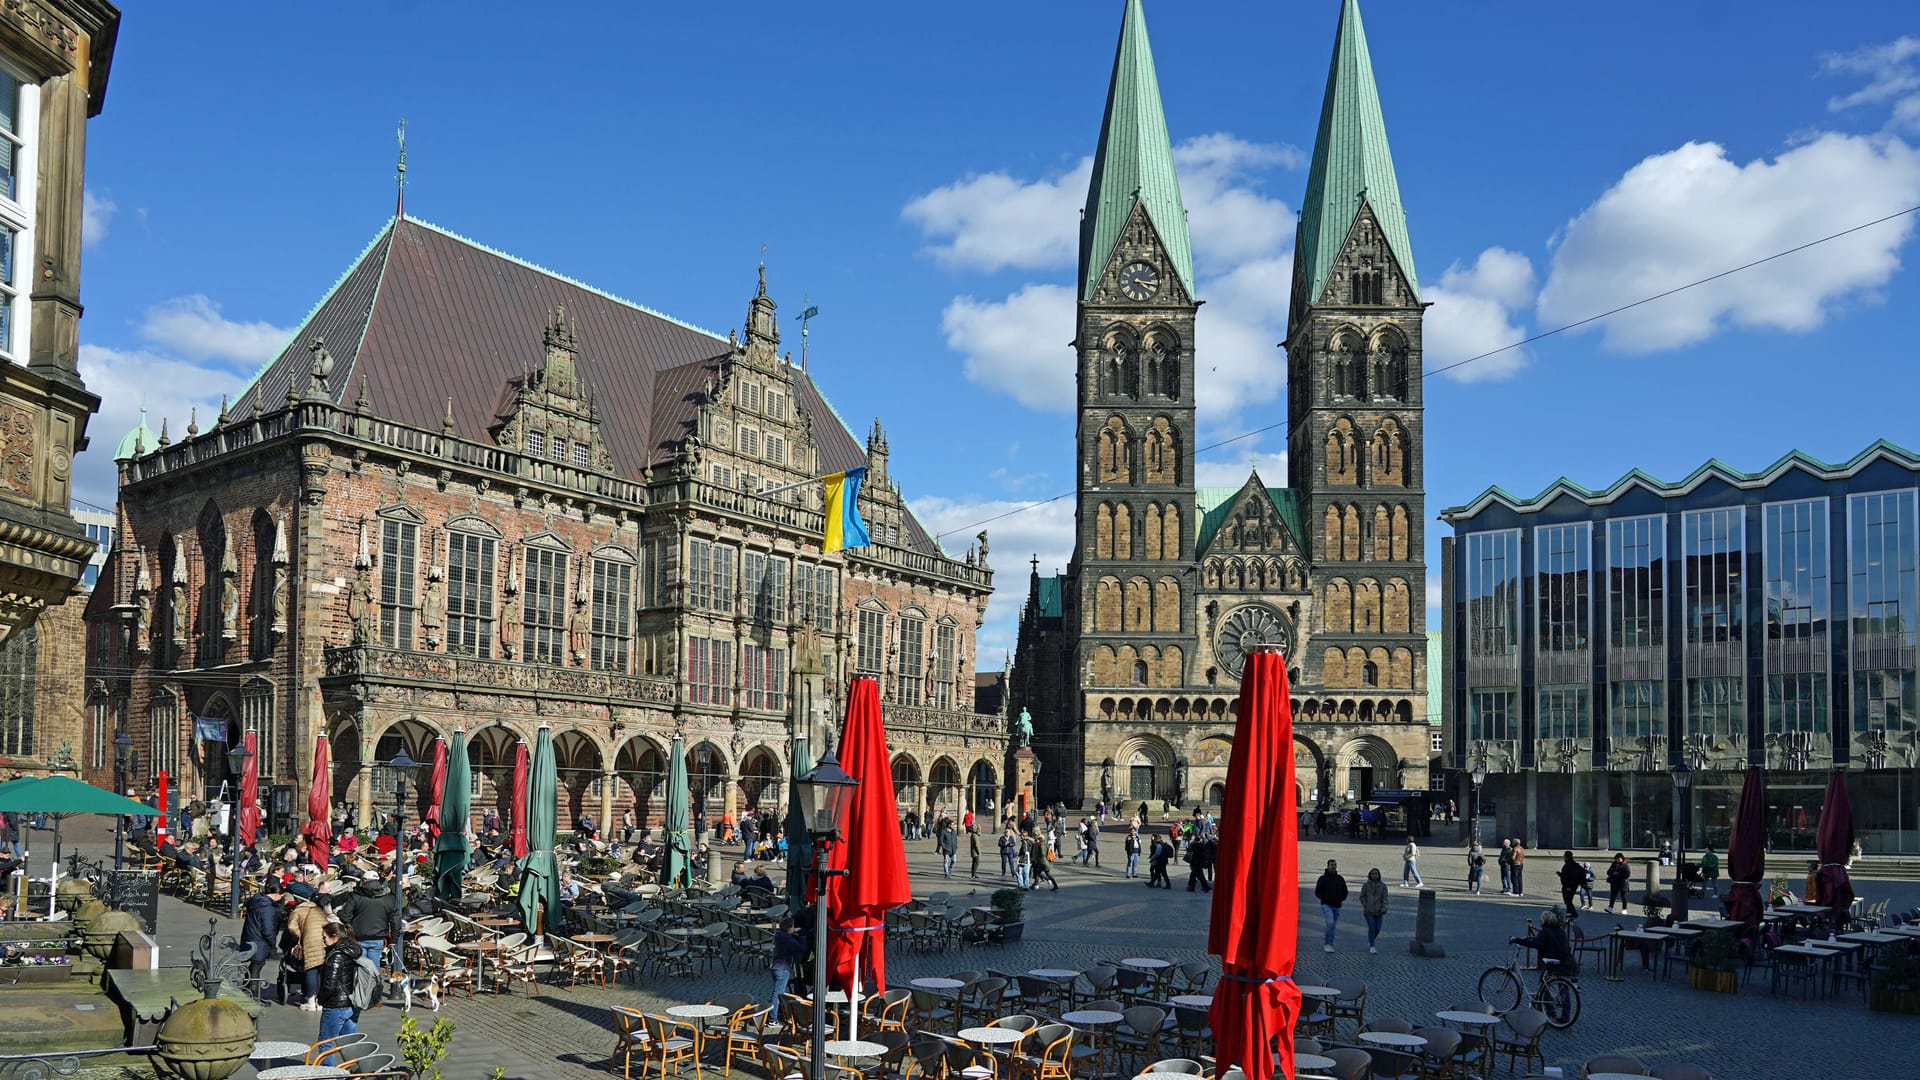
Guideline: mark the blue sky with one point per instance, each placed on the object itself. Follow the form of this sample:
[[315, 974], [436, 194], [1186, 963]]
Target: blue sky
[[916, 170]]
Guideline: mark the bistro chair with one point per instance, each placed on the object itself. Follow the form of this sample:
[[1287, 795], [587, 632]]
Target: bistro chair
[[1613, 1063]]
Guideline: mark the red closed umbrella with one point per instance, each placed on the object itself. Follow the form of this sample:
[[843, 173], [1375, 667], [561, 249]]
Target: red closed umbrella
[[249, 824], [520, 800], [1256, 896], [871, 848], [1833, 842], [160, 805], [1747, 852], [318, 830], [436, 787]]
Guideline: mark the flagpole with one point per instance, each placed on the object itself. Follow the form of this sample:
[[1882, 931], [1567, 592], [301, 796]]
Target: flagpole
[[800, 483]]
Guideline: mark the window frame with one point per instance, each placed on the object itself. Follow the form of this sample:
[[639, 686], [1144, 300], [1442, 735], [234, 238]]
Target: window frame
[[399, 574], [611, 618], [543, 587], [472, 587]]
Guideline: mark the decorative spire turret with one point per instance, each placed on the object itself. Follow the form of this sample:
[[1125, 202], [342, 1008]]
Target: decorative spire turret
[[761, 326]]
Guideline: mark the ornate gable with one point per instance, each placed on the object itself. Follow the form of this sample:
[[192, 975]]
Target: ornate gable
[[1367, 271], [1140, 243], [550, 412], [1253, 524]]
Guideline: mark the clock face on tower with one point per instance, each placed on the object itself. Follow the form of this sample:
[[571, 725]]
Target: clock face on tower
[[1248, 627], [1139, 281]]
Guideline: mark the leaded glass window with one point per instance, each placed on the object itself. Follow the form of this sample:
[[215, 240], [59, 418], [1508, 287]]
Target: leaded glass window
[[543, 634], [612, 614], [399, 550], [470, 570]]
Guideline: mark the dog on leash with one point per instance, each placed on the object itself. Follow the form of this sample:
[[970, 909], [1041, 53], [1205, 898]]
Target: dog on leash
[[403, 986]]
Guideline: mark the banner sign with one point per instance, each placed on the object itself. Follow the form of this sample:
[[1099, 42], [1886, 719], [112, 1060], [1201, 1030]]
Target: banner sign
[[206, 730]]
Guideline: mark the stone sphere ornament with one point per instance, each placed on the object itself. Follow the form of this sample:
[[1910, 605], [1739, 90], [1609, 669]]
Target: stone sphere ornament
[[103, 931], [207, 1039]]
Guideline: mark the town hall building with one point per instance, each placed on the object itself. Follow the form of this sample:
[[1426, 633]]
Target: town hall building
[[1129, 661]]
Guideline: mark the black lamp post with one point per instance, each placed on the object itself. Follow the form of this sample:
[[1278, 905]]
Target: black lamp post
[[826, 797], [239, 760], [122, 756], [1479, 781], [403, 766], [1682, 784]]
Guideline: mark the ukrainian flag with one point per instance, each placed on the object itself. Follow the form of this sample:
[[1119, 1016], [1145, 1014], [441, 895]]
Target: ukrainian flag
[[844, 527]]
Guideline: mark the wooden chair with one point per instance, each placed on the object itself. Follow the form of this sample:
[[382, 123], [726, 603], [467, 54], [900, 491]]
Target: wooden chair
[[1350, 1063], [1679, 1071], [1097, 982], [515, 966], [347, 1048], [888, 1011], [929, 1055], [1518, 1036], [373, 1063], [746, 1029], [1192, 1029], [1437, 1058], [1054, 1061], [667, 1046], [629, 1036], [1351, 1004], [1138, 1035]]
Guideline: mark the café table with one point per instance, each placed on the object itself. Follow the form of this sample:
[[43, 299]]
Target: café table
[[855, 1048], [1643, 937], [1819, 958], [1313, 1061], [1803, 909], [1616, 1076], [1054, 973], [480, 950], [938, 984], [1674, 931], [278, 1050], [1479, 1022], [1393, 1040], [1714, 924], [1193, 1001], [1094, 1021], [1873, 938], [1315, 991], [990, 1036], [1146, 963]]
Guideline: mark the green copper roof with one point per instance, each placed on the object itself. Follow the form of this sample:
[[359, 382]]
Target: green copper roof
[[1714, 469], [1212, 504], [1135, 158], [1350, 161], [147, 439], [1052, 601]]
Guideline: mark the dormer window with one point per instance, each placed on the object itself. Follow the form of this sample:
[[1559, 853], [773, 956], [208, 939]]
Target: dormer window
[[536, 443], [560, 449], [580, 455]]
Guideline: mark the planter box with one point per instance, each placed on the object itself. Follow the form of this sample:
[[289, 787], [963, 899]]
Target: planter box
[[1894, 1001], [1724, 982], [35, 973], [1010, 933]]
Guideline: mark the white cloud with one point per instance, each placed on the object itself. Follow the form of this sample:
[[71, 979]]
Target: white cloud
[[95, 215], [1017, 345], [1892, 71], [1240, 362], [1230, 221], [193, 326], [991, 221], [1233, 472], [1045, 531], [1691, 212], [128, 380], [1476, 309]]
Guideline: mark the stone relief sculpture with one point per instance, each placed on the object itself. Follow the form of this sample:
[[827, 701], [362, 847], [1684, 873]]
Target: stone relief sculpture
[[360, 592]]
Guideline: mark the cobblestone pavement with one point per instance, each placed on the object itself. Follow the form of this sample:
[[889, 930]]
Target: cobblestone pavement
[[1098, 913]]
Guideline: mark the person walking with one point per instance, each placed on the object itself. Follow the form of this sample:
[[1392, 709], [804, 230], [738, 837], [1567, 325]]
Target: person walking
[[1022, 862], [1132, 847], [1572, 876], [1331, 891], [306, 946], [1710, 870], [338, 966], [1157, 860], [1041, 871], [1476, 868], [1506, 867], [1410, 863], [947, 842], [1093, 843], [788, 952], [1618, 874], [1007, 857], [1373, 906], [1586, 885], [973, 852], [262, 928], [369, 914], [1519, 865]]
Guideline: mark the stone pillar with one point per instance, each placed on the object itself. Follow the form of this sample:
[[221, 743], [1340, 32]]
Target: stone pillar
[[1423, 943], [55, 337], [607, 781], [1020, 793], [366, 782], [1532, 829]]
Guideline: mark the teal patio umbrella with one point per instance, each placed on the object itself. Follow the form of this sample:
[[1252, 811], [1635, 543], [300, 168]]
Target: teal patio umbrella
[[540, 870], [450, 849], [58, 796], [799, 844], [679, 873]]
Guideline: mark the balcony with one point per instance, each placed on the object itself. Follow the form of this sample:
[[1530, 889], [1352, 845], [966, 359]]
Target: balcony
[[372, 663]]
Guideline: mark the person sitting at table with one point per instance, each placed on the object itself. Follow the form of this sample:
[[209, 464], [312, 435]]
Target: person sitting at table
[[190, 857], [740, 874], [759, 880], [1552, 944]]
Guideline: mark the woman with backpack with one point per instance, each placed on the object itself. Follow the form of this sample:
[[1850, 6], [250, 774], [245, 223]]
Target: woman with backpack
[[1476, 867], [338, 970]]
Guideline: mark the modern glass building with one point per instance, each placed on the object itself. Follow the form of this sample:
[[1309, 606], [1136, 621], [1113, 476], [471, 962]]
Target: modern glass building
[[1615, 657]]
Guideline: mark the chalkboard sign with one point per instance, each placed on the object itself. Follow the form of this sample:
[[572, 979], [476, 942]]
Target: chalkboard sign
[[137, 891]]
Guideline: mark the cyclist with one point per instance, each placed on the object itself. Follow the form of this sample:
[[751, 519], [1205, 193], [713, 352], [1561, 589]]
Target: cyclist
[[1552, 944]]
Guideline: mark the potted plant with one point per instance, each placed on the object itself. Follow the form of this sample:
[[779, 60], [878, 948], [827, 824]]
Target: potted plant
[[1714, 963], [1896, 984], [1009, 906]]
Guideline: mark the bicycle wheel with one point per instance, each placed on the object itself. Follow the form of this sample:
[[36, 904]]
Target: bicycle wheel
[[1500, 988], [1560, 1000]]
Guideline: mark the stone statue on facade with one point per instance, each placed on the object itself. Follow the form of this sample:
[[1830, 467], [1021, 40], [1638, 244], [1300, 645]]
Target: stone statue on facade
[[360, 605], [1023, 730], [142, 607], [177, 602], [510, 617], [281, 595], [229, 597], [577, 637], [433, 606]]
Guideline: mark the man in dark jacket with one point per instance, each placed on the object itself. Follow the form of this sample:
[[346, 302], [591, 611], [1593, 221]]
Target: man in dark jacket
[[266, 917], [1157, 858], [1618, 874], [1200, 855], [947, 843], [369, 914], [1331, 891], [337, 970], [1572, 876]]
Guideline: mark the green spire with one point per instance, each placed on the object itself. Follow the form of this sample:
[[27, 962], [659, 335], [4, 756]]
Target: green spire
[[1350, 160], [1135, 158]]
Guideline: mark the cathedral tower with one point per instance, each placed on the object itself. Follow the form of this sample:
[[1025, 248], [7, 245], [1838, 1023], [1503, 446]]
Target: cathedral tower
[[1135, 352], [1354, 402]]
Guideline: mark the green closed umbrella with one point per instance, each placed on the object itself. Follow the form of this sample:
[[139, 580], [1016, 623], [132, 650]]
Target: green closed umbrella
[[450, 850], [679, 828], [799, 842], [540, 870]]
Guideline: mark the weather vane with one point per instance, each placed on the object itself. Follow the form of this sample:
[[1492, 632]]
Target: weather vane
[[400, 174]]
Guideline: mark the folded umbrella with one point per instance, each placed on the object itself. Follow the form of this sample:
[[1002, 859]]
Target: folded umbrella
[[1833, 841]]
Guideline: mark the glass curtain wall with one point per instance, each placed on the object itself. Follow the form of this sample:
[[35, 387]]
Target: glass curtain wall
[[1491, 573], [1713, 556], [1882, 603], [1798, 612]]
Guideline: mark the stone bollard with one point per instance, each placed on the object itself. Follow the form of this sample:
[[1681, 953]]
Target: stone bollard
[[1423, 943]]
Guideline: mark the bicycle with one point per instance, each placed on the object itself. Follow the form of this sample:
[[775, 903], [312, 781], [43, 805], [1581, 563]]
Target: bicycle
[[1556, 995]]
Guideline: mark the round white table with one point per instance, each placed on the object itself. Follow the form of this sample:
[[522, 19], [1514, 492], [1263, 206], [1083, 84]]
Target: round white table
[[990, 1036], [1092, 1017], [303, 1072], [859, 1048], [1393, 1040], [1194, 1001], [1611, 1076], [938, 984], [1313, 991], [1470, 1019], [278, 1050], [697, 1012], [1054, 973], [1146, 963], [1312, 1061]]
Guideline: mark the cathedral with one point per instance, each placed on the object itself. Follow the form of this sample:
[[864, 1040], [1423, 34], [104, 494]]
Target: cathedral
[[1129, 661]]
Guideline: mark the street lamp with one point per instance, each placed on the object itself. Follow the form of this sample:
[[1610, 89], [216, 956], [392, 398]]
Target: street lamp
[[826, 798], [1479, 780], [403, 766], [122, 758], [1682, 783], [239, 759]]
